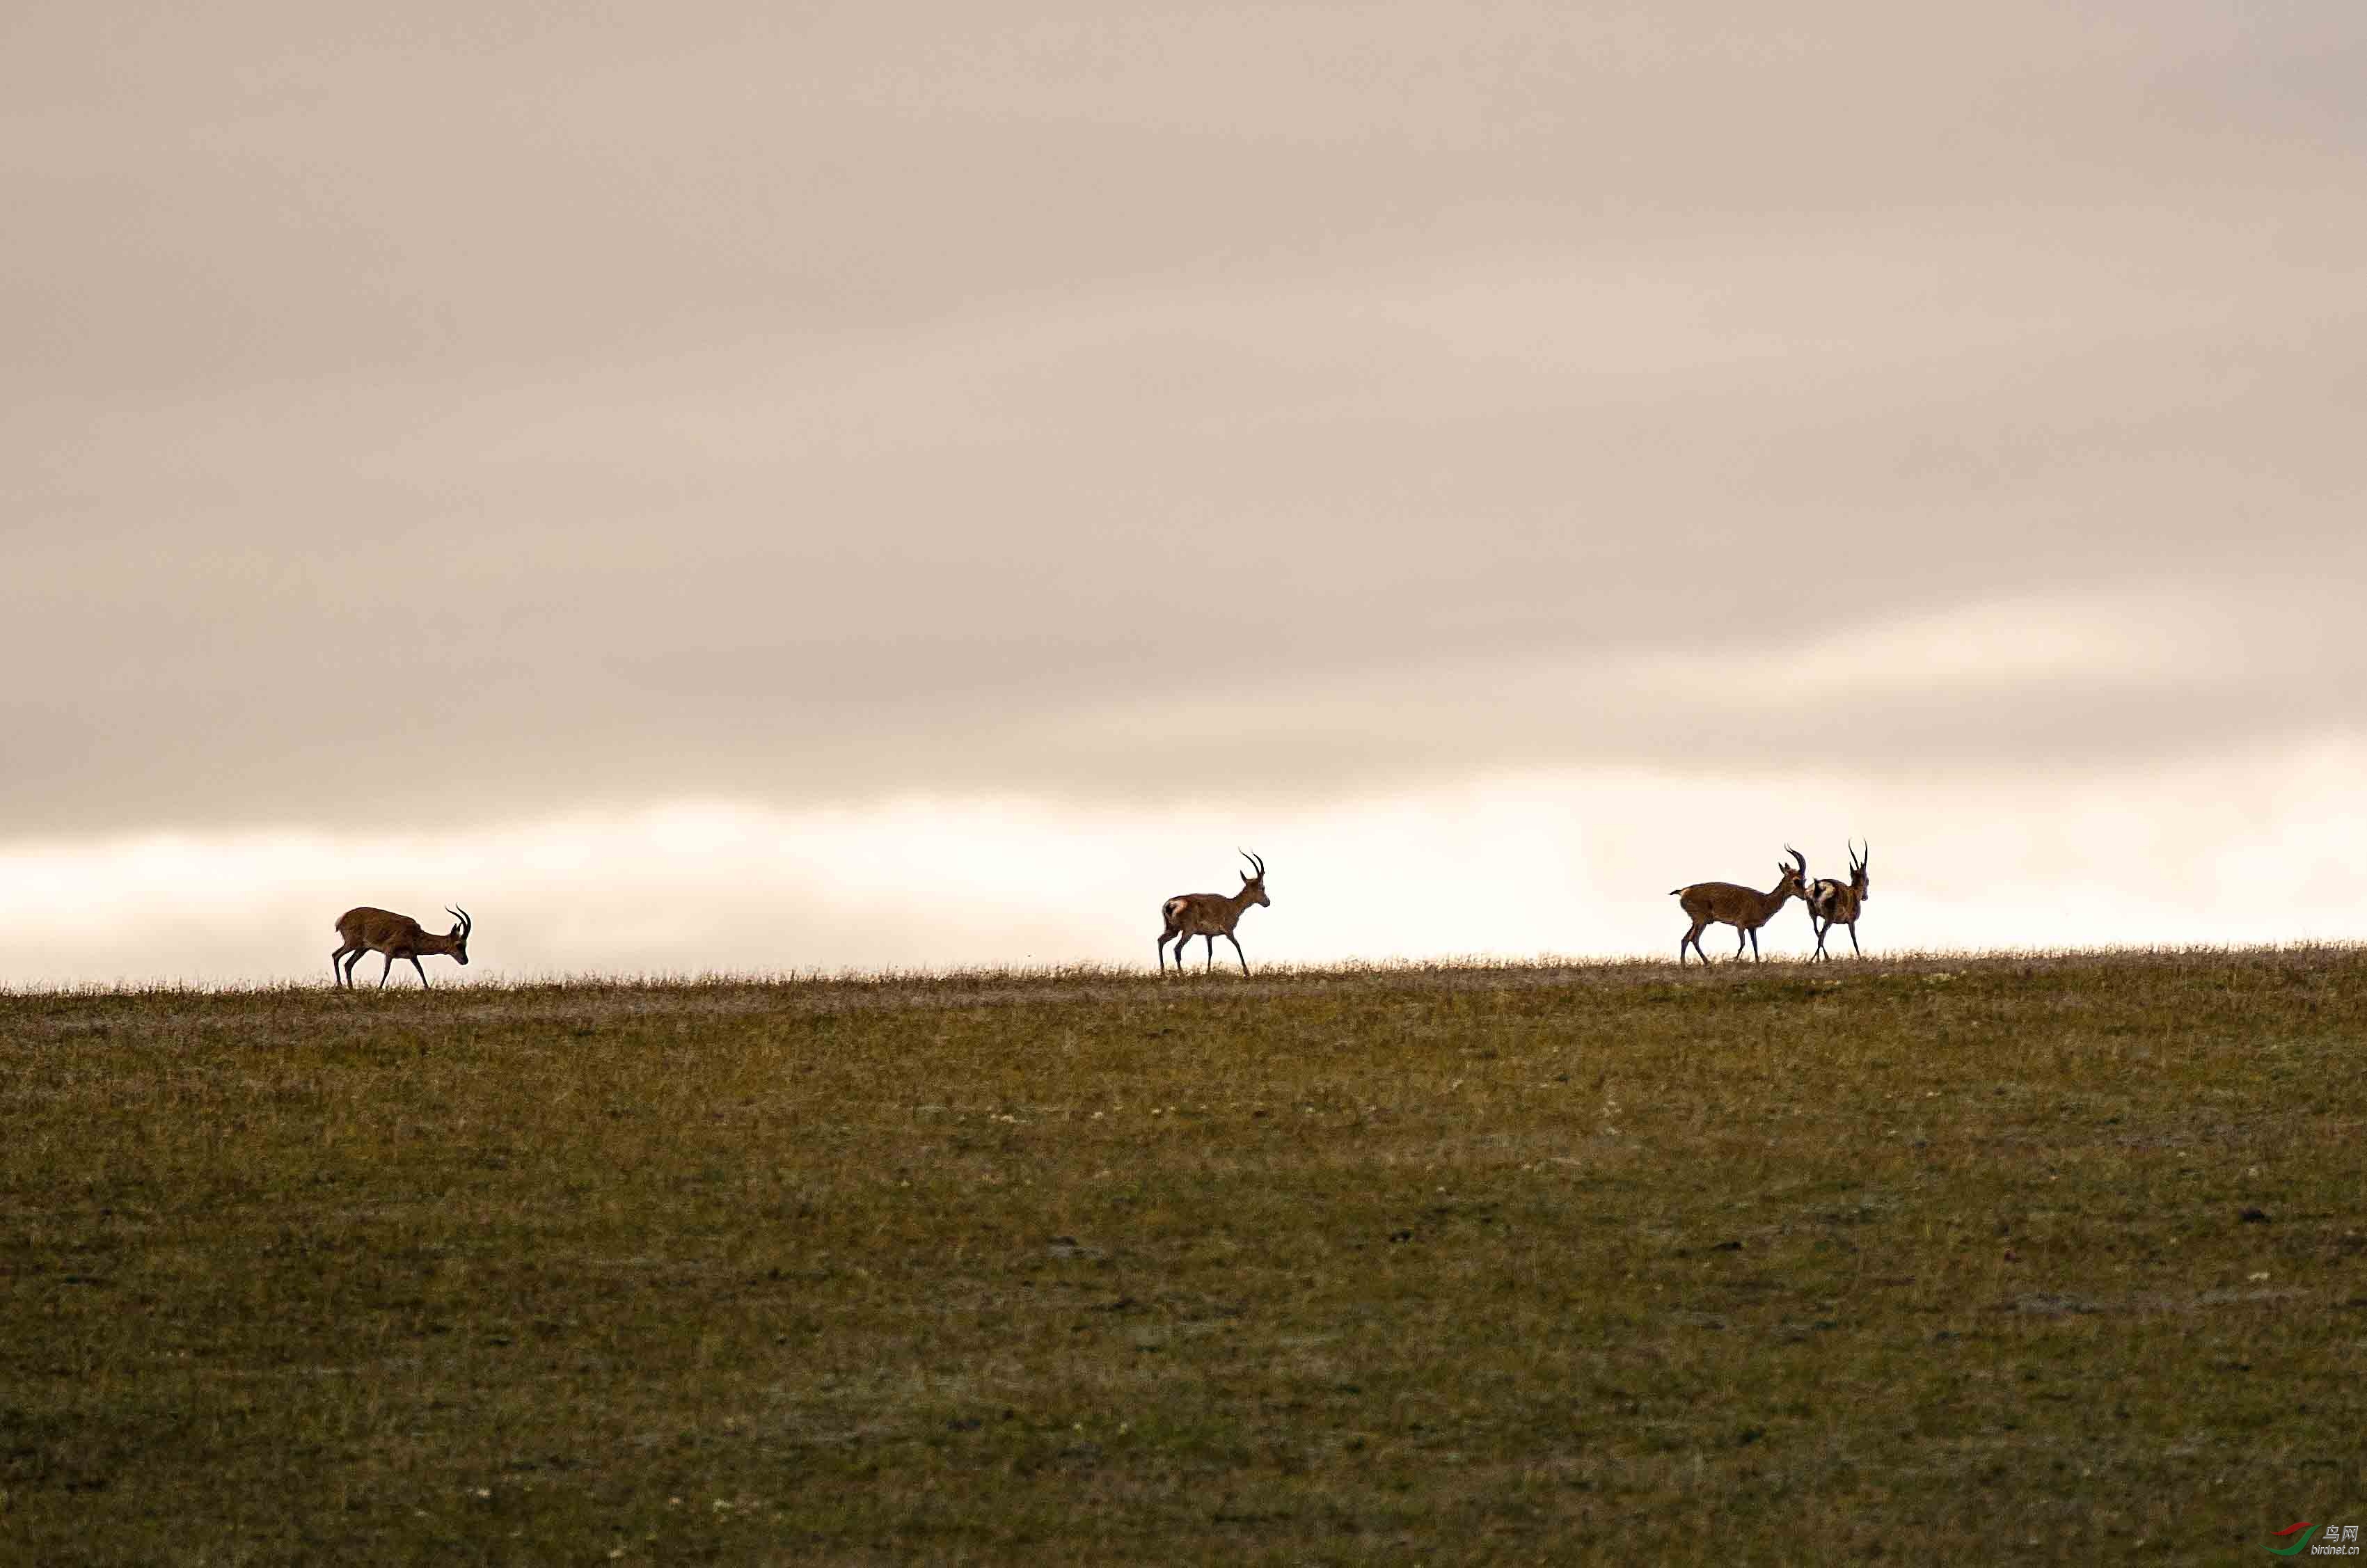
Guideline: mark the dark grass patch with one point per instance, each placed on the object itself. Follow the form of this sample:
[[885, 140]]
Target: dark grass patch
[[2044, 1258]]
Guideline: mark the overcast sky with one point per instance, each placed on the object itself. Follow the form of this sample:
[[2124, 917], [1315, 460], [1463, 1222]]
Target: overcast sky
[[765, 486]]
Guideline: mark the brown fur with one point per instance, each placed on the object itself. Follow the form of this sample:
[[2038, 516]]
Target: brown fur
[[1745, 909], [1210, 914], [367, 930], [1832, 904]]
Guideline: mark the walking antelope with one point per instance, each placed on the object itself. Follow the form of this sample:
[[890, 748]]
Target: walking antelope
[[1832, 904], [1211, 915], [367, 930], [1745, 909]]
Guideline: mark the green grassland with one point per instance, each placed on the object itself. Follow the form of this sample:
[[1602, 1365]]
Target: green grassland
[[1953, 1259]]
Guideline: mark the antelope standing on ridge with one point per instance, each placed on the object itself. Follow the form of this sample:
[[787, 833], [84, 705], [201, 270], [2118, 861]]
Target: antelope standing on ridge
[[367, 930], [1834, 903], [1745, 909], [1210, 914]]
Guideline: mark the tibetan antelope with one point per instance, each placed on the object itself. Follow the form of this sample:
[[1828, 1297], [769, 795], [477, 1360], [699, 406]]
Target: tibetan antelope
[[1745, 909], [367, 930], [1210, 914], [1832, 904]]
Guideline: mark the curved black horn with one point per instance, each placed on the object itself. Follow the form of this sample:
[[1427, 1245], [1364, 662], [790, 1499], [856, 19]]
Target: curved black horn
[[1802, 859], [1254, 862], [462, 917]]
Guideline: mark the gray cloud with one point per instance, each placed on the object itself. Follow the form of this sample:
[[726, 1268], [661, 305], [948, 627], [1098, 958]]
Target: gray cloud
[[451, 415]]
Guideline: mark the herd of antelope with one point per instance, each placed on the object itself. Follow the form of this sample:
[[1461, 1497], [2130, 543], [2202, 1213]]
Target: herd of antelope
[[1829, 903], [1209, 915]]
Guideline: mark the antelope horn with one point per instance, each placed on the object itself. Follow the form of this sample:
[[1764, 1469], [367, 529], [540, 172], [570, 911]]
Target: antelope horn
[[1254, 862], [462, 915], [1802, 859]]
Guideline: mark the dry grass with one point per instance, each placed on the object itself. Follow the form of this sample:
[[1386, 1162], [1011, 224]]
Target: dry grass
[[1952, 1259]]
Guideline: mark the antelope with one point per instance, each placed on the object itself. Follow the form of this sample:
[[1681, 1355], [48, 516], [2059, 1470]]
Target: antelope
[[367, 930], [1834, 903], [1211, 915], [1745, 909]]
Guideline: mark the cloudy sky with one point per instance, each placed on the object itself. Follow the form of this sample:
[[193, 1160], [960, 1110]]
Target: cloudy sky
[[725, 486]]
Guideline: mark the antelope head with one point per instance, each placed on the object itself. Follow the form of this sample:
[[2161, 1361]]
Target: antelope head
[[1859, 858], [460, 935], [1796, 874], [1255, 884]]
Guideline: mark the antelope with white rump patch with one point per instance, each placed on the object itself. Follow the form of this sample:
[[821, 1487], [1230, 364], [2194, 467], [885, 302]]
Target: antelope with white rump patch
[[1745, 909], [367, 930], [1210, 914], [1832, 904]]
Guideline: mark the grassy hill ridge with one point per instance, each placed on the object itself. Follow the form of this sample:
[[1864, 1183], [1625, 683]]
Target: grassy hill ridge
[[2040, 1255]]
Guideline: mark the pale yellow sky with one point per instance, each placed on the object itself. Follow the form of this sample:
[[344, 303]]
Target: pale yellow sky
[[1589, 445]]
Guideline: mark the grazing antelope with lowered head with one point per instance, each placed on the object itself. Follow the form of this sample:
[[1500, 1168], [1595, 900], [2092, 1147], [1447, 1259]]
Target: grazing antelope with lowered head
[[367, 930], [1745, 909], [1832, 904], [1210, 914]]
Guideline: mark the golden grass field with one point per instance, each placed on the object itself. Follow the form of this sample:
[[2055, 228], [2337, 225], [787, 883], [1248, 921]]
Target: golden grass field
[[1938, 1259]]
